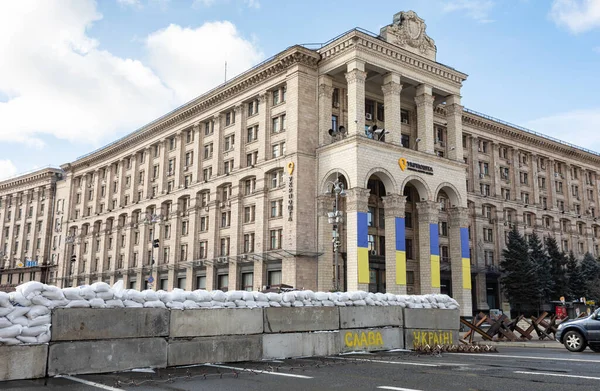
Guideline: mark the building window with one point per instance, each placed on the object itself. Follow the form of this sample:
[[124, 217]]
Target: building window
[[189, 158], [405, 140], [225, 219], [409, 249], [252, 107], [229, 142], [276, 179], [228, 166], [274, 277], [488, 235], [229, 118], [279, 95], [277, 208], [224, 246], [249, 186], [408, 223], [248, 281], [251, 158], [275, 238], [249, 243], [484, 189], [223, 282], [165, 255], [249, 214], [208, 128], [278, 150], [171, 143], [443, 228], [404, 118], [252, 134], [208, 151], [278, 124], [207, 173], [489, 257], [202, 249], [203, 223]]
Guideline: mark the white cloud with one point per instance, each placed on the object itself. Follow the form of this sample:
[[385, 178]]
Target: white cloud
[[59, 82], [192, 60], [475, 9], [578, 127], [577, 15], [7, 169], [130, 3], [210, 3]]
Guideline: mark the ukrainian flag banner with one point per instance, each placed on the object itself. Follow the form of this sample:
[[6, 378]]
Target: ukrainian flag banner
[[400, 251], [362, 247], [465, 255], [434, 251]]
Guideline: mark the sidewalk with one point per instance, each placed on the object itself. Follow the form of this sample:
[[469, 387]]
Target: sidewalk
[[533, 343]]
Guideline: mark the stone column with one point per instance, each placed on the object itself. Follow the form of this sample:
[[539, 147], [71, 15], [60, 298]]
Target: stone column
[[551, 183], [211, 276], [218, 145], [189, 278], [460, 264], [391, 101], [494, 170], [260, 236], [324, 237], [357, 246], [429, 249], [424, 101], [355, 78], [454, 128], [535, 194], [236, 225], [325, 112], [474, 163], [264, 126], [239, 152], [395, 243], [515, 184]]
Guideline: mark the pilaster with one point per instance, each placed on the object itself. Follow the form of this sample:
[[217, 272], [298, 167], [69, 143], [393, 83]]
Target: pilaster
[[454, 128], [355, 77], [325, 110], [392, 90], [326, 264], [357, 246], [429, 258], [395, 243], [424, 101], [460, 264]]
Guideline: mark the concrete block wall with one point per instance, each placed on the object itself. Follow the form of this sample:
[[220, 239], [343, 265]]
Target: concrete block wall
[[107, 340]]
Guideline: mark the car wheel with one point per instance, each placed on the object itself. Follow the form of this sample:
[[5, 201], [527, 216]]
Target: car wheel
[[574, 341], [595, 348]]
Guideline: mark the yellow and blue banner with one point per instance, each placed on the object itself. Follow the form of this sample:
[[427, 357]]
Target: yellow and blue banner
[[362, 239], [434, 251], [400, 251], [466, 258]]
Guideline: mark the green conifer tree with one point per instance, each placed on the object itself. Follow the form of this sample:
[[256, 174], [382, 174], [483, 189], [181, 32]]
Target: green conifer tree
[[518, 273], [558, 262]]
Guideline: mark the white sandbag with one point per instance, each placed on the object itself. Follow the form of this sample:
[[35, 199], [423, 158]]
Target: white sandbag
[[272, 296], [42, 301], [217, 304], [97, 303], [317, 303], [234, 295], [72, 293], [6, 310], [348, 302], [174, 305], [4, 300], [240, 304], [44, 337], [60, 303], [309, 295], [190, 304], [53, 294], [247, 296], [288, 297], [274, 304], [320, 296], [299, 295], [100, 286], [332, 296], [328, 303], [132, 304], [78, 304], [390, 297], [9, 341], [369, 301], [106, 295], [251, 304], [37, 310], [307, 303], [285, 304], [259, 296], [17, 312], [202, 295], [4, 322], [27, 339], [150, 295], [262, 304], [360, 303], [11, 332], [115, 303], [178, 295], [354, 296], [40, 321], [34, 331], [87, 293], [18, 298], [30, 289], [297, 303], [218, 295], [206, 304], [229, 304], [154, 304], [136, 296]]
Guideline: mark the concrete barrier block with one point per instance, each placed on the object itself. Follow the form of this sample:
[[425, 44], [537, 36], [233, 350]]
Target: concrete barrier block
[[286, 320], [300, 345], [419, 337], [23, 362], [200, 350], [77, 324], [362, 317], [371, 340], [79, 357], [214, 322], [431, 319]]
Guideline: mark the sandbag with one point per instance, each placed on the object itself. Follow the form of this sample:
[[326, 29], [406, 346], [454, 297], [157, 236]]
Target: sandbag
[[23, 321], [30, 289], [100, 286], [4, 300], [40, 320], [132, 304], [175, 305], [116, 303], [202, 295], [106, 295], [72, 293], [154, 304], [150, 295], [9, 341], [190, 304], [37, 310], [11, 332], [6, 310], [78, 304], [17, 312], [97, 303], [247, 296], [218, 296], [272, 296], [42, 301], [34, 331], [27, 339], [53, 294], [44, 337], [5, 322], [18, 298], [234, 295], [87, 293]]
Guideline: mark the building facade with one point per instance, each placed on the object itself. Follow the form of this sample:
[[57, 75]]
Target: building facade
[[26, 206], [233, 190]]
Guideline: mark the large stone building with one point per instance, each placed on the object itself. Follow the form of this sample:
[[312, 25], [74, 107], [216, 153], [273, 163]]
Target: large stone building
[[234, 189], [26, 204]]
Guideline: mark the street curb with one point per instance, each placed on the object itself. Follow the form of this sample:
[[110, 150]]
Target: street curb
[[542, 345]]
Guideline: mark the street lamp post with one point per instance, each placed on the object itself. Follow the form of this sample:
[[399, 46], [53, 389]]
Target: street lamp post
[[152, 218], [336, 218]]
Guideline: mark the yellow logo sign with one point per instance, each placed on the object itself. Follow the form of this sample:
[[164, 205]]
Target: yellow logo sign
[[363, 339], [290, 167], [402, 163]]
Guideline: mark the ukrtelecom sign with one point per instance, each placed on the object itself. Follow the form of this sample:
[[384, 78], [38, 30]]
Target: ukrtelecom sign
[[407, 165]]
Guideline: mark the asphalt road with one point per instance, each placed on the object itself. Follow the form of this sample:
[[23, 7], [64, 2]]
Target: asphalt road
[[510, 369]]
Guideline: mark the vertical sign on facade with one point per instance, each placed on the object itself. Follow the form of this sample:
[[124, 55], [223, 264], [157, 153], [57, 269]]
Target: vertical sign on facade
[[400, 252], [434, 251], [465, 255], [362, 247]]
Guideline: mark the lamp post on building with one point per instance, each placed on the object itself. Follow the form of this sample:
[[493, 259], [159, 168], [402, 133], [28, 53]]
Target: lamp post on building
[[335, 218], [152, 218]]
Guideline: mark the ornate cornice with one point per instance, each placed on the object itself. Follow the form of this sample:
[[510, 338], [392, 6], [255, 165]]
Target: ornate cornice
[[358, 40], [26, 181], [295, 55]]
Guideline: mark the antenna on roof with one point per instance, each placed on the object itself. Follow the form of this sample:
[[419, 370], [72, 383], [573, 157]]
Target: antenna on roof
[[225, 71]]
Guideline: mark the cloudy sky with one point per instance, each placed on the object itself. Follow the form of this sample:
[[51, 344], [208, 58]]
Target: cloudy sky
[[77, 74]]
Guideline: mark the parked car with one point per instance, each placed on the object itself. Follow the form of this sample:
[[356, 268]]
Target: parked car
[[579, 333]]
